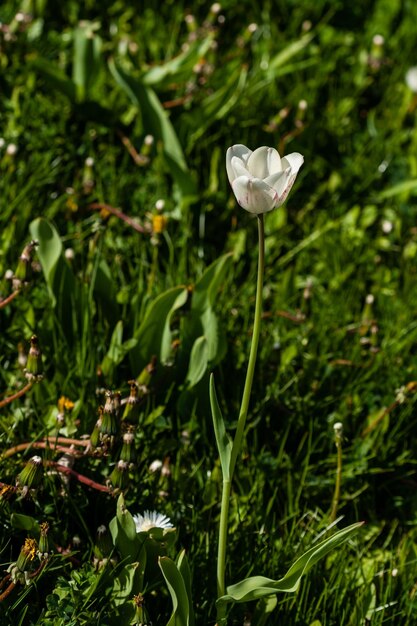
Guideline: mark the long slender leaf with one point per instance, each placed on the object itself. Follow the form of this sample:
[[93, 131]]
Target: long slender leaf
[[258, 586]]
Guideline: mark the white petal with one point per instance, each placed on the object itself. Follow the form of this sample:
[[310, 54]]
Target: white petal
[[277, 180], [254, 195], [258, 162], [273, 162], [241, 152], [294, 161], [239, 168]]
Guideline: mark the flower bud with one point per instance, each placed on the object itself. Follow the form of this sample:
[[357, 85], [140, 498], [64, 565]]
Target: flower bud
[[19, 571], [44, 549], [23, 273], [128, 452], [31, 475], [103, 545], [34, 367], [119, 477], [131, 411], [109, 426]]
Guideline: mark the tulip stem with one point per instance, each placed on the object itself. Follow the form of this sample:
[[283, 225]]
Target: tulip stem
[[237, 442]]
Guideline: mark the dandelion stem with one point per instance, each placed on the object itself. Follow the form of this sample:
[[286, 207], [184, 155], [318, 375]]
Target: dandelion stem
[[16, 395], [7, 300], [237, 443], [336, 495]]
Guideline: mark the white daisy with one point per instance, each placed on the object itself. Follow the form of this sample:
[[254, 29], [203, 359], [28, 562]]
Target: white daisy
[[151, 519]]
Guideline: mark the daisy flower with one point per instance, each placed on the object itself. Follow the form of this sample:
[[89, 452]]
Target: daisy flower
[[151, 519]]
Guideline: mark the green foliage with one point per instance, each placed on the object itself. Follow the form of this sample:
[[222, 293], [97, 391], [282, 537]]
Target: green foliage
[[83, 85]]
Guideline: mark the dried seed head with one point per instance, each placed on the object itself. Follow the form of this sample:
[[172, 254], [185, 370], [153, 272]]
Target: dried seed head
[[131, 411]]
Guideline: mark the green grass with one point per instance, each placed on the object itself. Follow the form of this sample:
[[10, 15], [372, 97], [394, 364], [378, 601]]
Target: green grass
[[326, 355]]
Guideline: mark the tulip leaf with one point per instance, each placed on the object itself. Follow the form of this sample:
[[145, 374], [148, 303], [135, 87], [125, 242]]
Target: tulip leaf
[[178, 67], [156, 122], [154, 336], [198, 361], [55, 77], [86, 60], [257, 587], [223, 440], [178, 591]]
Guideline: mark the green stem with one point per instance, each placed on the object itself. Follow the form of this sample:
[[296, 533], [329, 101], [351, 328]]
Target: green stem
[[237, 442], [336, 495]]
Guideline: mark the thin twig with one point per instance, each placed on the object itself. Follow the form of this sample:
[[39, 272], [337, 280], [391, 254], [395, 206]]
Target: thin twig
[[82, 479], [138, 158], [99, 206], [16, 395], [7, 300], [7, 591], [36, 444]]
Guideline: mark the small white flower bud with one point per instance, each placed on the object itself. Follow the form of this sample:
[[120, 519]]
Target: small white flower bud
[[89, 162], [160, 204], [387, 226], [149, 139], [338, 429], [2, 142], [69, 254], [216, 8], [11, 149], [378, 40], [370, 298], [411, 79]]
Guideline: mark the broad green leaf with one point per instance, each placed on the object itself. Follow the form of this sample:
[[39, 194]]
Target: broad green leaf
[[24, 522], [181, 610], [198, 361], [184, 569], [156, 122], [123, 532], [128, 582], [154, 336], [258, 586], [224, 442], [202, 321], [87, 58], [61, 283]]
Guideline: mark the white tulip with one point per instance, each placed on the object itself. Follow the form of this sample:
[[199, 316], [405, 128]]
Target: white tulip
[[261, 180]]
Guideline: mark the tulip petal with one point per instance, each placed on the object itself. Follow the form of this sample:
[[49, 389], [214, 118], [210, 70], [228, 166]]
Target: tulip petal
[[239, 168], [274, 164], [294, 161], [257, 162], [278, 180], [241, 152], [254, 194]]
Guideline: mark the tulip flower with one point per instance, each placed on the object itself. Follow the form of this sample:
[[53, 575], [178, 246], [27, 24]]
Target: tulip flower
[[261, 180]]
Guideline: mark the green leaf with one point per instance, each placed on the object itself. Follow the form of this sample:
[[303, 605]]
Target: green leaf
[[198, 361], [179, 67], [258, 586], [154, 336], [129, 581], [156, 122], [184, 569], [224, 442], [123, 532], [181, 609], [59, 278], [87, 59], [24, 522]]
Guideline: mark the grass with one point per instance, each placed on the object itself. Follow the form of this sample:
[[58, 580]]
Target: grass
[[328, 351]]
